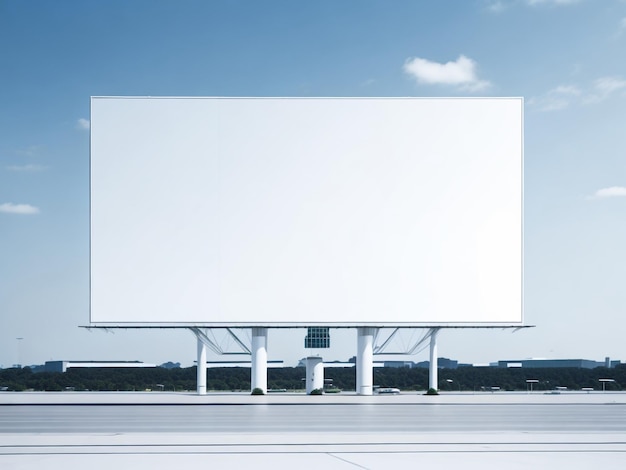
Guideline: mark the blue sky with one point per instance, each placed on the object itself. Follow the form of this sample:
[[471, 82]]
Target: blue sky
[[566, 58]]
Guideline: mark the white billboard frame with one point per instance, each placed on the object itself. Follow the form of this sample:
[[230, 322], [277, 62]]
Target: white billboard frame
[[120, 137]]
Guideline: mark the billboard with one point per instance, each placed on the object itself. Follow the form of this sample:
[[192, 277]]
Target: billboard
[[306, 211]]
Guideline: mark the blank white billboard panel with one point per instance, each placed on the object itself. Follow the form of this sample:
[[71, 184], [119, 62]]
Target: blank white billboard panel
[[288, 211]]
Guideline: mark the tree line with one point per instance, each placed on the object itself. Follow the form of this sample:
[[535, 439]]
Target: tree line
[[292, 378]]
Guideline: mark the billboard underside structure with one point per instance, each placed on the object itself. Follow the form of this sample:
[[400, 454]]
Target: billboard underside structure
[[286, 212]]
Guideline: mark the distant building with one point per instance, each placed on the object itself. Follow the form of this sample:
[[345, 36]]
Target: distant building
[[302, 363], [62, 366], [399, 364], [270, 364], [547, 363], [442, 363], [331, 364], [317, 338]]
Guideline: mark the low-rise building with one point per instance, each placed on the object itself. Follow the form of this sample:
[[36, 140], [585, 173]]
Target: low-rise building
[[62, 366]]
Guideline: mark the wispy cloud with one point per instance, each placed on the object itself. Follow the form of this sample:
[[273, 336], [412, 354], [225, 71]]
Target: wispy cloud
[[83, 124], [23, 209], [552, 2], [30, 167], [496, 6], [613, 191], [460, 73], [605, 87], [565, 95], [559, 97]]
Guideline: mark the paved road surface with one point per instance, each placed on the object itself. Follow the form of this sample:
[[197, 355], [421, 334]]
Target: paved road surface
[[315, 418], [304, 434]]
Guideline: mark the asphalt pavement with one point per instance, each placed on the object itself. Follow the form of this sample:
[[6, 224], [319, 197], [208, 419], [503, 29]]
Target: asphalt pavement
[[101, 431]]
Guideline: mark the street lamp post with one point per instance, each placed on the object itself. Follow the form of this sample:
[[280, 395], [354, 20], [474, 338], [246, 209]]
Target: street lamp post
[[450, 381], [604, 382]]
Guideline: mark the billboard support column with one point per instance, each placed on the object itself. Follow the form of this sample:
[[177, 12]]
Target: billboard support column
[[365, 361], [314, 374], [433, 379], [201, 368], [258, 371]]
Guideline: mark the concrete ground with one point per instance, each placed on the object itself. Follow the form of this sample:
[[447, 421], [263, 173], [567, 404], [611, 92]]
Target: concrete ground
[[572, 430]]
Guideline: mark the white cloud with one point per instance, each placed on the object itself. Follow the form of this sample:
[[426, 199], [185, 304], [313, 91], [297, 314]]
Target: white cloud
[[613, 191], [555, 99], [564, 95], [567, 90], [26, 209], [605, 87], [552, 2], [83, 124], [496, 6], [460, 73], [30, 167], [609, 84]]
